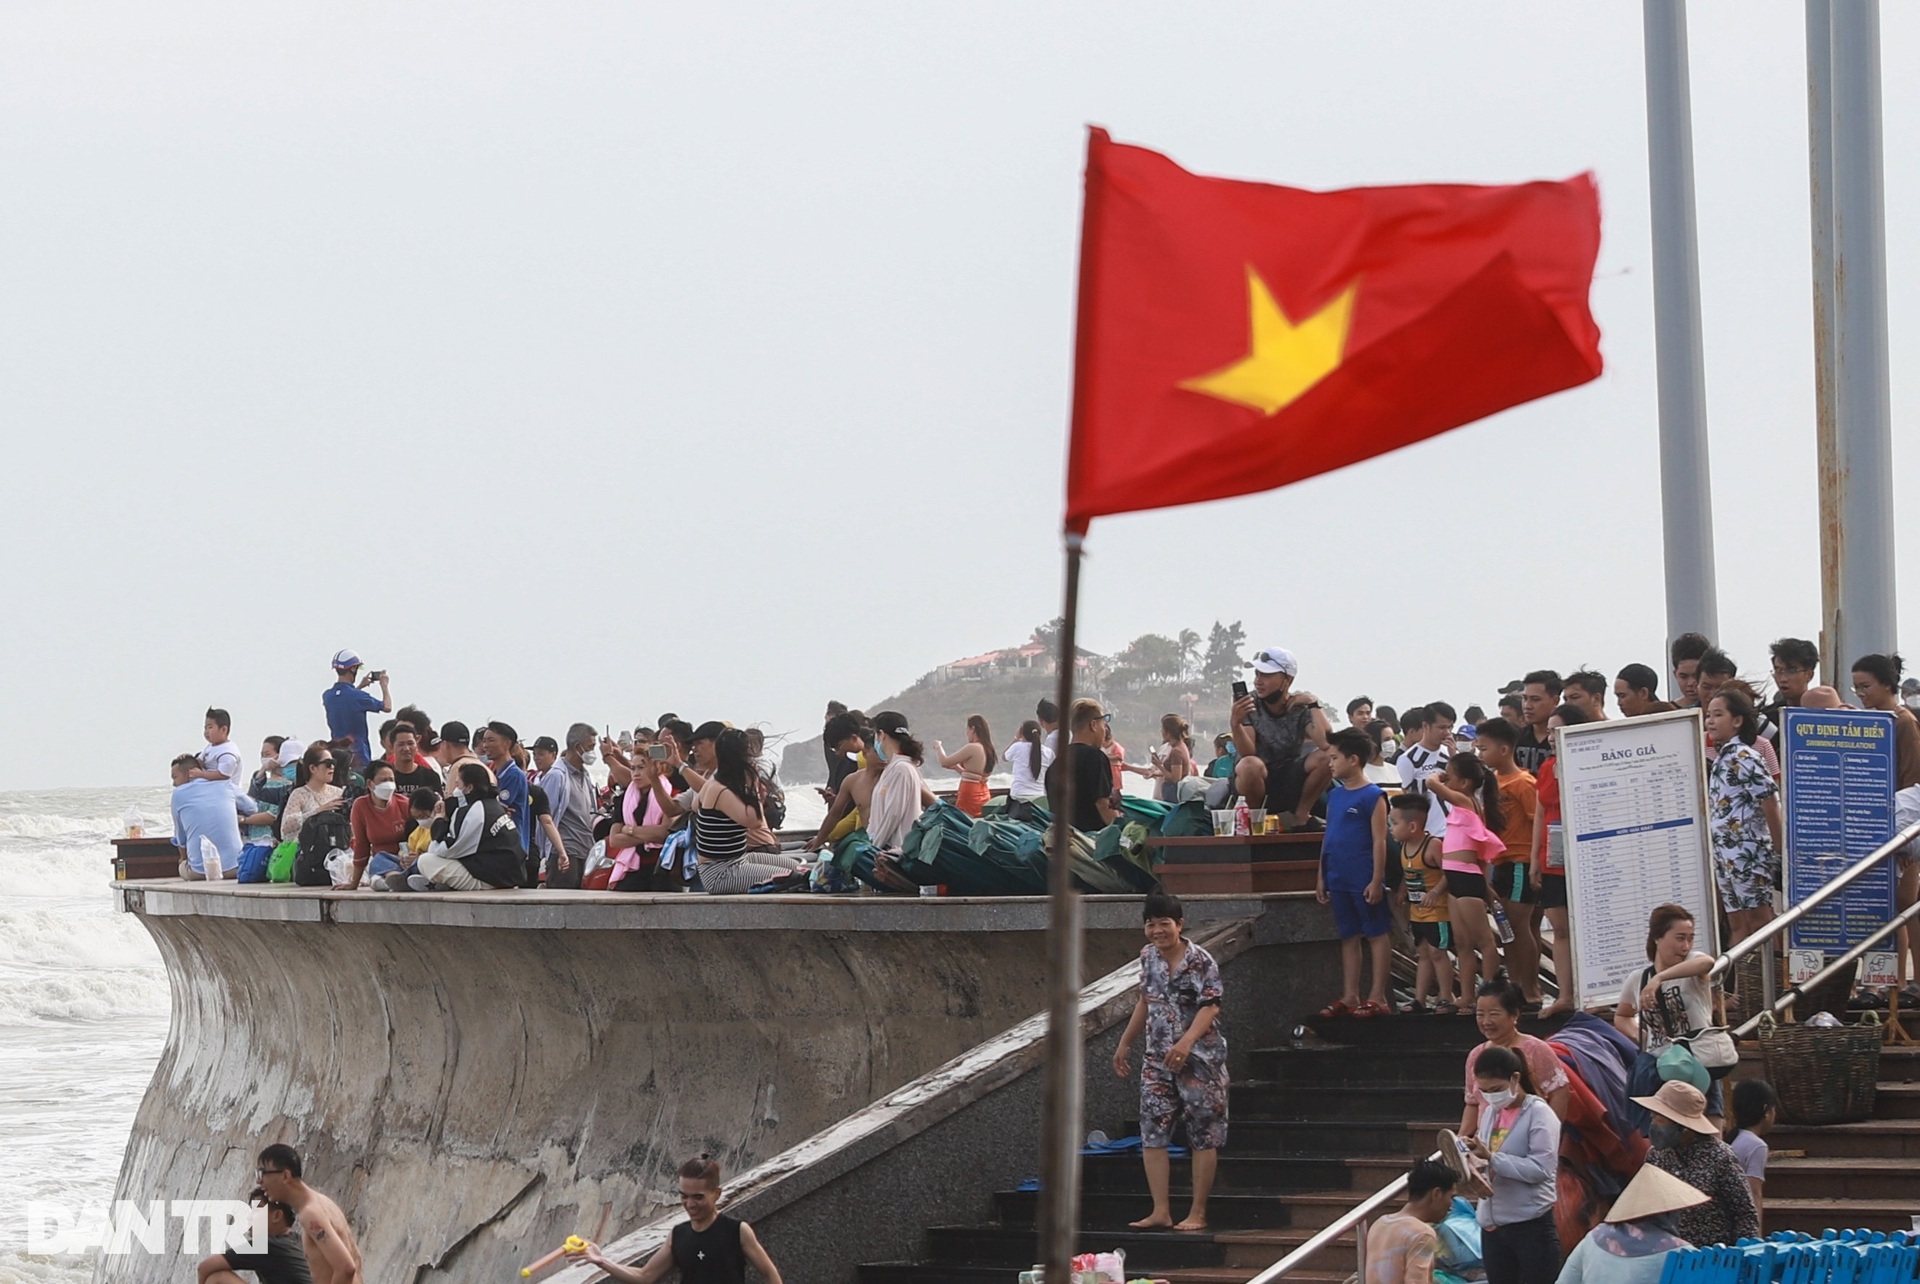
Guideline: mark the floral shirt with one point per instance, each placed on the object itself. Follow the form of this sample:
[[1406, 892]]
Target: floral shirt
[[1707, 1164], [1738, 784], [1174, 998]]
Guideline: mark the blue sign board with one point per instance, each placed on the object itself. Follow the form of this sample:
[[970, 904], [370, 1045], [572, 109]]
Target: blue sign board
[[1839, 791]]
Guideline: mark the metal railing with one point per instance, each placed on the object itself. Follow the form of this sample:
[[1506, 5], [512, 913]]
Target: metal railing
[[1839, 883], [1356, 1220]]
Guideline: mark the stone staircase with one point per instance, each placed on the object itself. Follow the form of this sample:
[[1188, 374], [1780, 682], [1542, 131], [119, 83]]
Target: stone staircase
[[1321, 1123]]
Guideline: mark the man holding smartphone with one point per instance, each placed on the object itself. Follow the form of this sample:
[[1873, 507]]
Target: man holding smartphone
[[1282, 741], [348, 702]]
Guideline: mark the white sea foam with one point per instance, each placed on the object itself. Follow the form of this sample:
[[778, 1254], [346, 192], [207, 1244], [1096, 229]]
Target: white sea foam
[[83, 1010]]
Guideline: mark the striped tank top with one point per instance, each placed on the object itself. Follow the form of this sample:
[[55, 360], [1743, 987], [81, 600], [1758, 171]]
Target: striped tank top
[[718, 836]]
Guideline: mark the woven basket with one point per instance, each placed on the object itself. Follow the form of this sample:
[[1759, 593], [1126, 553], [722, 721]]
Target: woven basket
[[1823, 1075]]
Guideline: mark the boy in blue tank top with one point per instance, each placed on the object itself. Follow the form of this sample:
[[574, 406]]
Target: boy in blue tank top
[[1353, 875]]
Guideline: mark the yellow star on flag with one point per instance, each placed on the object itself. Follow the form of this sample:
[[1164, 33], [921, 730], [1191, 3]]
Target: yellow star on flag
[[1284, 359]]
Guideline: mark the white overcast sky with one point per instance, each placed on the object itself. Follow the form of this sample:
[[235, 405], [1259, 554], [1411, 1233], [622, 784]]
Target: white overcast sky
[[576, 361]]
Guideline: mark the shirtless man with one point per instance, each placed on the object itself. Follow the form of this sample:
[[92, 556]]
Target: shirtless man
[[332, 1253], [855, 791]]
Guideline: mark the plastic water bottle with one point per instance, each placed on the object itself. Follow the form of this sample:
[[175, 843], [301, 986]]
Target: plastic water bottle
[[1242, 819], [210, 860], [136, 823], [1501, 928]]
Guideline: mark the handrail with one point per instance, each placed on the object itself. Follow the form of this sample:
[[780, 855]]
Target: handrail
[[1340, 1227], [1839, 883], [1832, 969]]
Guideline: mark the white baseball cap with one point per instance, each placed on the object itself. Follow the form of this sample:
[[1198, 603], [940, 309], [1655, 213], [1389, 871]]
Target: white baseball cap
[[1276, 659], [346, 659]]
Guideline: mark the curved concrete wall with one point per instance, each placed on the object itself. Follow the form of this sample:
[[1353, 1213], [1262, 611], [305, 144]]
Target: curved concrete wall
[[471, 1074]]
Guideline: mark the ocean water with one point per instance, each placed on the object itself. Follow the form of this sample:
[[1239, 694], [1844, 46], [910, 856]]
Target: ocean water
[[83, 1010], [84, 1006]]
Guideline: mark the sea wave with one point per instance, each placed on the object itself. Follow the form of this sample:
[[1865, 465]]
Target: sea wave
[[81, 871]]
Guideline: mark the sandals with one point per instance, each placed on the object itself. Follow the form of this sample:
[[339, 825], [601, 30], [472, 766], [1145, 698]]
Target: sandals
[[1371, 1009], [1337, 1008]]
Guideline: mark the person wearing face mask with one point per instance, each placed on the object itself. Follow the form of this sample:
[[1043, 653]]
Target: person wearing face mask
[[572, 798], [1687, 1144], [380, 821], [899, 795], [1517, 1140]]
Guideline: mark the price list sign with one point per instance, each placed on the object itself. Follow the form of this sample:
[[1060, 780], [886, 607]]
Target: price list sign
[[1839, 766], [1633, 806]]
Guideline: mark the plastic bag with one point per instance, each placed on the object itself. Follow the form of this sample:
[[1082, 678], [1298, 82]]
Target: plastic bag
[[280, 865], [1459, 1234], [340, 867]]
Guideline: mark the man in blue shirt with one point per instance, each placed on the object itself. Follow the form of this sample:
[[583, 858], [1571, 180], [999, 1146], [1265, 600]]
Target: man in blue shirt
[[497, 740], [349, 702], [204, 809]]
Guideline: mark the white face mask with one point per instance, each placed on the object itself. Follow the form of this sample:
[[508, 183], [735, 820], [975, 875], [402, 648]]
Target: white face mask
[[457, 796], [588, 758], [1499, 1100], [384, 790]]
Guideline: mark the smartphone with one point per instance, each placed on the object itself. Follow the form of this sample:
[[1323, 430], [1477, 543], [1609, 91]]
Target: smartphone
[[657, 752], [1239, 689]]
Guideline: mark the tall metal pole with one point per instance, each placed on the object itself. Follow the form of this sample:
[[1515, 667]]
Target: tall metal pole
[[1060, 1111], [1686, 497], [1864, 419], [1826, 428]]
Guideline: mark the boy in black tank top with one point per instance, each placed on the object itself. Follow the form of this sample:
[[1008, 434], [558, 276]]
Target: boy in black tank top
[[707, 1248]]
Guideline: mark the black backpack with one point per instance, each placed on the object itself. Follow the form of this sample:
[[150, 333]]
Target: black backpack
[[320, 833]]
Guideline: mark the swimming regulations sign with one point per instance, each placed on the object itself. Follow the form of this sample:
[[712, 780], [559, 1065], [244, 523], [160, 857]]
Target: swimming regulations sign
[[1633, 807], [1839, 765]]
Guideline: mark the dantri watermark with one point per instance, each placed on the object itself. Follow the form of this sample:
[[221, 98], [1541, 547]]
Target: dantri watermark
[[127, 1227]]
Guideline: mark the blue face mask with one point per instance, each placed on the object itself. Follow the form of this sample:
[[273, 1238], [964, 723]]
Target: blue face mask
[[879, 750]]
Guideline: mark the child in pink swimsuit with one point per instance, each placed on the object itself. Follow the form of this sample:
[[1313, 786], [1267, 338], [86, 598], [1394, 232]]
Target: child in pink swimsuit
[[1471, 793]]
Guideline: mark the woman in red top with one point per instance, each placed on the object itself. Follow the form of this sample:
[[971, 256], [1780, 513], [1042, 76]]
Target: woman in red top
[[380, 820], [1549, 869]]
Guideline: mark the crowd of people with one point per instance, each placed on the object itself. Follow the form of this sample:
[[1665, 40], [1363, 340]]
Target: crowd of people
[[1446, 829], [1648, 1163], [1439, 826]]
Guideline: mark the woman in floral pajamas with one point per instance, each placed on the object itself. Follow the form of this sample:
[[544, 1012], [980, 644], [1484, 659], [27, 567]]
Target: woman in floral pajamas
[[1184, 1071], [1744, 814]]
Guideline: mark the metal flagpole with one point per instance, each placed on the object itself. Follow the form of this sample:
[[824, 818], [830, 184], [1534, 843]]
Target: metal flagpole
[[1059, 1214], [1826, 439], [1864, 423], [1686, 498]]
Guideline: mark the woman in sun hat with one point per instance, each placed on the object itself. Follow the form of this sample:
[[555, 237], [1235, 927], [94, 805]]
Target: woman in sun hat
[[1687, 1145], [1631, 1245]]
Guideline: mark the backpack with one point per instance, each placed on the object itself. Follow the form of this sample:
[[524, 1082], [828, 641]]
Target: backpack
[[253, 862], [320, 834]]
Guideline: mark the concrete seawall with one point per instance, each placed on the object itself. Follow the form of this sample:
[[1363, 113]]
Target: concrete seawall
[[468, 1074]]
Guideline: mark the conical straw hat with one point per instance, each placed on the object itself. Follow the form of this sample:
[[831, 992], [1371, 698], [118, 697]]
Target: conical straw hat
[[1654, 1191]]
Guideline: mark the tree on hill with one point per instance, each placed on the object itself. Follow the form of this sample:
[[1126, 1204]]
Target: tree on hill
[[1224, 645], [1189, 644], [1149, 658]]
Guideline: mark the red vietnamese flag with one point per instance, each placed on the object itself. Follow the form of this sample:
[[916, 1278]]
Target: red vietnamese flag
[[1234, 337]]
